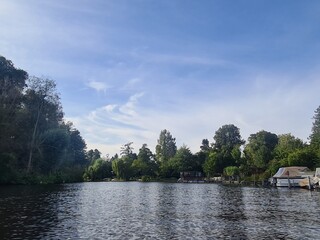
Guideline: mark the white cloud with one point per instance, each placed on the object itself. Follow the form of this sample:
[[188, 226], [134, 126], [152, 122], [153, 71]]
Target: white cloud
[[189, 87], [280, 109], [98, 86], [129, 107], [110, 108], [133, 81]]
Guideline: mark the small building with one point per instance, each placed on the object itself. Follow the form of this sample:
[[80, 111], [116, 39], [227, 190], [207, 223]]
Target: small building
[[191, 177]]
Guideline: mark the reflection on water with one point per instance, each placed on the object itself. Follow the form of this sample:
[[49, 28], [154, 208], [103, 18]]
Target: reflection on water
[[157, 211]]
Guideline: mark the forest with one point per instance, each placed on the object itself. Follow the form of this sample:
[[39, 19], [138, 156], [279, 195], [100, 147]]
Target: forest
[[37, 146]]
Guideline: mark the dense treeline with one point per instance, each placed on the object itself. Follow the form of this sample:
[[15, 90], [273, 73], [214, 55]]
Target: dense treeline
[[37, 145], [228, 155]]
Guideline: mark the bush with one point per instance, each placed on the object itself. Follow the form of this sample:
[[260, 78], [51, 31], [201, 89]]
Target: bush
[[145, 178]]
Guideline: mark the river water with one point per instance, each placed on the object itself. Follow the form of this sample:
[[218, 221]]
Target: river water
[[133, 210]]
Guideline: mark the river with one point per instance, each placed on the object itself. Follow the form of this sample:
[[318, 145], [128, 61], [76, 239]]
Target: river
[[133, 210]]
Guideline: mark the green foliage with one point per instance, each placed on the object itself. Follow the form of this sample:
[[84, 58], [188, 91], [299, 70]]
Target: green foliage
[[286, 145], [12, 84], [53, 144], [122, 168], [127, 150], [167, 170], [98, 170], [274, 166], [259, 150], [303, 157], [227, 138], [209, 167], [146, 178], [35, 143], [38, 146], [145, 163], [93, 155], [7, 168], [231, 171], [227, 147], [182, 161], [315, 133], [205, 146], [166, 147]]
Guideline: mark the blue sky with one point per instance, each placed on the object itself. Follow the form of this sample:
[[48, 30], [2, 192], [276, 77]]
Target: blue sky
[[127, 69]]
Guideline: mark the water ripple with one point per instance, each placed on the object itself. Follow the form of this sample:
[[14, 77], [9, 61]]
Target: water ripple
[[157, 211]]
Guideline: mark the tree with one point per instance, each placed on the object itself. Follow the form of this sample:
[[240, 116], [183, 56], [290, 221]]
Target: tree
[[227, 137], [182, 161], [12, 84], [205, 146], [93, 154], [98, 170], [303, 157], [77, 147], [44, 106], [202, 155], [166, 147], [231, 171], [210, 165], [286, 145], [33, 135], [259, 150], [53, 144], [315, 134], [145, 164], [227, 146], [127, 150], [122, 167]]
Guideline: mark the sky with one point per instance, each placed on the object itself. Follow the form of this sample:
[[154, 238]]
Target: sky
[[127, 69]]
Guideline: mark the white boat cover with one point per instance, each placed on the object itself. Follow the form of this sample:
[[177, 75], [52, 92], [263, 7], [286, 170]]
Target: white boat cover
[[291, 172]]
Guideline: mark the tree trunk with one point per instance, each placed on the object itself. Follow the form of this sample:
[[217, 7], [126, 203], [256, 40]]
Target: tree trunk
[[33, 138]]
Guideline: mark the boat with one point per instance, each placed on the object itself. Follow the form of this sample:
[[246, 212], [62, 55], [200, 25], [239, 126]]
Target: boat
[[311, 181], [292, 176]]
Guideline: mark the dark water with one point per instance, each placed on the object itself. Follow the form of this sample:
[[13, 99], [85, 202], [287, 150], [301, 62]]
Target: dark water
[[157, 211]]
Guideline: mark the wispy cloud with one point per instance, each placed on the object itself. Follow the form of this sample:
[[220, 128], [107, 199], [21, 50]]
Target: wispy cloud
[[98, 86], [189, 69], [273, 108]]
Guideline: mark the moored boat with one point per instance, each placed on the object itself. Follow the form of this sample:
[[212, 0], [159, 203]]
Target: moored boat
[[292, 176], [311, 181]]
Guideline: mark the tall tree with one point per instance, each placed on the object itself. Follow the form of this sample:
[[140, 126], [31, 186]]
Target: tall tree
[[315, 134], [76, 150], [183, 161], [12, 84], [45, 109], [166, 147], [210, 165], [98, 170], [93, 154], [127, 150], [287, 144], [145, 164], [205, 145], [260, 149], [227, 137], [227, 146]]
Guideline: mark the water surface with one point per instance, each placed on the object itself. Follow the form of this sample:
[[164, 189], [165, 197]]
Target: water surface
[[133, 210]]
